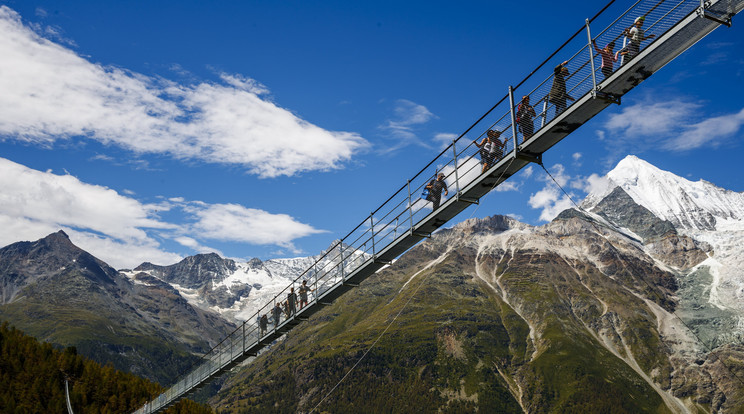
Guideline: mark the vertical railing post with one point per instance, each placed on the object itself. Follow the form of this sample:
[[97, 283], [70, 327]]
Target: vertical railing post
[[591, 57], [457, 179], [343, 275], [372, 230], [315, 296], [410, 206], [513, 119], [545, 113]]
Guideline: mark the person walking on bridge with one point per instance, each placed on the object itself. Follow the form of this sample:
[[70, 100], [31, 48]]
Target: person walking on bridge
[[435, 188], [636, 35], [263, 324], [525, 116], [304, 290], [291, 302], [277, 312], [485, 153], [558, 94], [608, 58]]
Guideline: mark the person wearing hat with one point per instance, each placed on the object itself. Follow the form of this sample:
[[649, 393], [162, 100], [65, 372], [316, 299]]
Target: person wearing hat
[[636, 35], [435, 188], [558, 94]]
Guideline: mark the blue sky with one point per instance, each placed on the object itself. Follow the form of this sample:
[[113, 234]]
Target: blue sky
[[150, 131]]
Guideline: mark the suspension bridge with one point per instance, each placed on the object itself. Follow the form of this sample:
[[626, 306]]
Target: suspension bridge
[[667, 28]]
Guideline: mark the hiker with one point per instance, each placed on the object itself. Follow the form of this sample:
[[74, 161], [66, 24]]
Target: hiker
[[435, 188], [291, 302], [636, 35], [485, 153], [608, 57], [263, 324], [497, 146], [304, 289], [525, 114], [558, 95], [277, 311]]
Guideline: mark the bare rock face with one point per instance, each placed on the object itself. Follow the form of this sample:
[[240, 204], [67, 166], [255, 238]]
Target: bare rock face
[[679, 251], [55, 291], [660, 236], [193, 272]]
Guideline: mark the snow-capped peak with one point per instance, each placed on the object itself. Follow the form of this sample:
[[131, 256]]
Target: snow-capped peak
[[688, 205]]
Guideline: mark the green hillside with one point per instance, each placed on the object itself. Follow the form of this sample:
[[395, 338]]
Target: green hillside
[[32, 380]]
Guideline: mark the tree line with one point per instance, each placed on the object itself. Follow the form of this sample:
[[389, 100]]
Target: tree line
[[33, 374]]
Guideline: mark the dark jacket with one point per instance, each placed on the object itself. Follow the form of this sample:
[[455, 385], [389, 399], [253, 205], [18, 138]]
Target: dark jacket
[[558, 91]]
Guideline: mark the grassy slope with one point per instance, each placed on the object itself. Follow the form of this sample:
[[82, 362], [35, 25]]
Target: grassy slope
[[444, 353]]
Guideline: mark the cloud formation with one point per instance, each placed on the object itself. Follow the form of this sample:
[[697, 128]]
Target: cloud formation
[[675, 125], [407, 116], [711, 131], [228, 123], [233, 222], [121, 230], [551, 198]]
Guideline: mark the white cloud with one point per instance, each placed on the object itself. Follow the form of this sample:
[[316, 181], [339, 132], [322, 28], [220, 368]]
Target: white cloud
[[710, 131], [407, 116], [34, 204], [195, 245], [507, 186], [527, 172], [559, 174], [550, 201], [121, 230], [651, 119], [674, 125], [597, 184], [444, 139], [52, 93], [233, 222]]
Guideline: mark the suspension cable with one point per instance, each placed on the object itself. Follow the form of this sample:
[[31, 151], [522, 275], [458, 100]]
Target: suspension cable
[[376, 340]]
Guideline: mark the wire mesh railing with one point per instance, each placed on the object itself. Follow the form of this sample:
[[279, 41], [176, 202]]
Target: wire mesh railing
[[573, 71]]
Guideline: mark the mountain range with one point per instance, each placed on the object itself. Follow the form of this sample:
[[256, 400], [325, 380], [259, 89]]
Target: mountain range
[[631, 303]]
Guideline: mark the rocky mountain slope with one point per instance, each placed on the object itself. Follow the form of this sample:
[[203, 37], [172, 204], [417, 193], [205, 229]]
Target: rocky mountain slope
[[237, 290], [711, 293], [596, 311], [61, 294]]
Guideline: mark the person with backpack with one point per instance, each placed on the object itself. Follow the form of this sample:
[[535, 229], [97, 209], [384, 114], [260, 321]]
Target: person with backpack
[[435, 188], [291, 302], [525, 116], [485, 153], [263, 324], [558, 94]]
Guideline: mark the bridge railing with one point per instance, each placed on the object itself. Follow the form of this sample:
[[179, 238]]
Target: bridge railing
[[460, 163]]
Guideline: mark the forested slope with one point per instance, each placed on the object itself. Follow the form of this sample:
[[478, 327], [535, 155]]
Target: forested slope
[[32, 380]]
